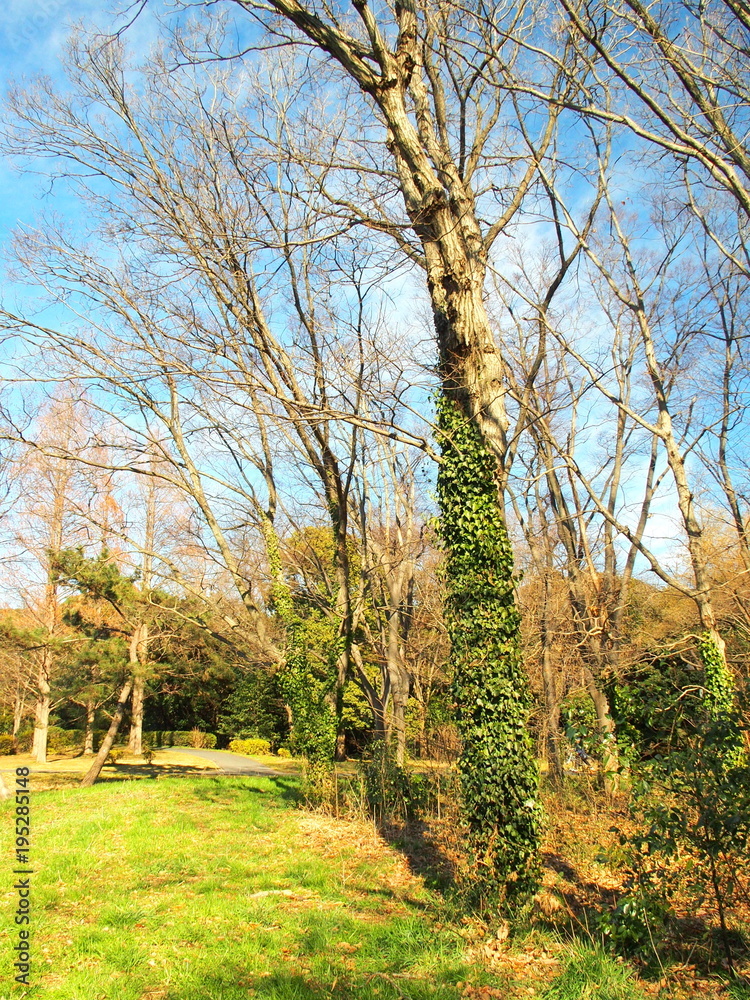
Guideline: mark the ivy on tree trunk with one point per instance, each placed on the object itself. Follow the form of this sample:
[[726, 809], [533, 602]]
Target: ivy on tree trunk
[[313, 718], [498, 769]]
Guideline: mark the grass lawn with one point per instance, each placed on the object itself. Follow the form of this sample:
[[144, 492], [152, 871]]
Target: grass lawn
[[221, 888]]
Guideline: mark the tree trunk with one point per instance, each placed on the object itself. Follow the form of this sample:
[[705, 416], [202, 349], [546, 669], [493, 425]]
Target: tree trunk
[[550, 691], [98, 762], [375, 700], [399, 685], [18, 708], [135, 744], [88, 742], [606, 726], [141, 637], [42, 710]]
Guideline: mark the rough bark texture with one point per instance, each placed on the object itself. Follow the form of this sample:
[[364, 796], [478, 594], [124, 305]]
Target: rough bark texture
[[50, 612], [98, 762], [551, 697], [42, 708], [135, 744], [88, 742]]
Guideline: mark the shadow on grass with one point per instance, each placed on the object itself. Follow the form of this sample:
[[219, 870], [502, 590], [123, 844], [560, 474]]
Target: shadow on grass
[[223, 788], [426, 857], [47, 781], [285, 788], [689, 942]]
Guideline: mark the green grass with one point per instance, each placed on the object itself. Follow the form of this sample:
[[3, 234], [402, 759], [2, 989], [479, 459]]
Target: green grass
[[224, 889], [591, 973], [149, 891]]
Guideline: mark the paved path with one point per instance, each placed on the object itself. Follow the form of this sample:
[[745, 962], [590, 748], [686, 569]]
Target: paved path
[[231, 763]]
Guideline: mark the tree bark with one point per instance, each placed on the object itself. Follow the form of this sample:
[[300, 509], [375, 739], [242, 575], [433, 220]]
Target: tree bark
[[88, 742], [42, 708], [135, 744], [18, 707], [550, 688], [98, 762], [399, 682]]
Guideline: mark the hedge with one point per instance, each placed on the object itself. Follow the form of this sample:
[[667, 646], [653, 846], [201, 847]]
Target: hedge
[[250, 747], [159, 739], [59, 740]]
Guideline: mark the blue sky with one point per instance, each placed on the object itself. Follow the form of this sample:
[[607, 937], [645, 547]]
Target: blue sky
[[32, 42]]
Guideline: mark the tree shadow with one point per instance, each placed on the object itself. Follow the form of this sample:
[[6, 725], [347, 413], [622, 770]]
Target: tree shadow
[[223, 787], [691, 942], [421, 844]]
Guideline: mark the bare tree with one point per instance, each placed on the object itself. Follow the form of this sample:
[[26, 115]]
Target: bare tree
[[391, 546], [252, 356], [46, 517], [682, 76]]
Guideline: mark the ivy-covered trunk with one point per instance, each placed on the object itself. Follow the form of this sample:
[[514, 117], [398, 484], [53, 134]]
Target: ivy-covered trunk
[[497, 764], [313, 717]]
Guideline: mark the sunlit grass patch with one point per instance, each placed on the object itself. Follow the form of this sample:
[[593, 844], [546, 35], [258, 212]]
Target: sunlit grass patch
[[195, 889], [591, 973]]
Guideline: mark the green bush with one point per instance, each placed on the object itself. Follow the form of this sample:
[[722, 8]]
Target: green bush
[[202, 741], [250, 748], [120, 740], [60, 740], [392, 793], [7, 745], [690, 802], [161, 739], [24, 739], [283, 753]]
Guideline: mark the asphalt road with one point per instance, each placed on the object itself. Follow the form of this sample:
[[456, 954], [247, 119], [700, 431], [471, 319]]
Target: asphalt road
[[231, 763]]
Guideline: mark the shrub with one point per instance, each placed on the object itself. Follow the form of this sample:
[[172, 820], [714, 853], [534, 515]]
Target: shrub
[[114, 755], [120, 740], [24, 740], [7, 745], [181, 738], [283, 753], [60, 740], [250, 748], [392, 793], [147, 753], [202, 741], [691, 804]]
